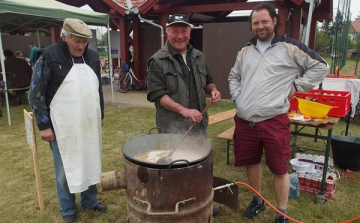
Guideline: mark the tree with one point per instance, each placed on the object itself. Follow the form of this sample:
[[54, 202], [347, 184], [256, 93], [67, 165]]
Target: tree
[[351, 44], [35, 33], [103, 39], [322, 42]]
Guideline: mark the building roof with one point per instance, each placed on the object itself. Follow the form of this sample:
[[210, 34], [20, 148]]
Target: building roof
[[136, 3], [355, 27]]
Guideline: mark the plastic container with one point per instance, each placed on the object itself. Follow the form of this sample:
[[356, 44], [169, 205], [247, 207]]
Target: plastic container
[[342, 99], [346, 152], [300, 167], [313, 109], [294, 192], [116, 79]]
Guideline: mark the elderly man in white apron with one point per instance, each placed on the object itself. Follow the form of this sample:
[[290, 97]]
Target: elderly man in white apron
[[66, 97]]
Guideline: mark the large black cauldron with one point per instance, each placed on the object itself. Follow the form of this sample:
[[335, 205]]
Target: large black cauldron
[[157, 193]]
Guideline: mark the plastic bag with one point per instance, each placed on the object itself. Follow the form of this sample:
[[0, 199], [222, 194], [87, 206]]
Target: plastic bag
[[294, 192]]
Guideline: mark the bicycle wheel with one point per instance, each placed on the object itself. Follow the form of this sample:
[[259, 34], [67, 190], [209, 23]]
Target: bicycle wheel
[[124, 83]]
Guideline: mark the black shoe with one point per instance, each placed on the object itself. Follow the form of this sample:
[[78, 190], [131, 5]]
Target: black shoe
[[100, 207], [70, 218], [281, 219], [254, 208]]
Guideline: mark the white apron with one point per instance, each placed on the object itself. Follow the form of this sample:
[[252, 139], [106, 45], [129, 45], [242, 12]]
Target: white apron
[[76, 116]]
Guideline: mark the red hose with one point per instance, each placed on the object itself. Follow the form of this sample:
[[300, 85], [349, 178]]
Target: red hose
[[274, 208]]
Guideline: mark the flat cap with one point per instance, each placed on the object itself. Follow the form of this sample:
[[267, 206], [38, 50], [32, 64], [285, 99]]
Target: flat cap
[[77, 27], [178, 18]]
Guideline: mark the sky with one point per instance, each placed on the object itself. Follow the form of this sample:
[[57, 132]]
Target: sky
[[354, 8]]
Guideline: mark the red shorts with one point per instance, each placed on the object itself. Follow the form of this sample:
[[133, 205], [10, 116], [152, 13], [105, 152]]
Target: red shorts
[[272, 134]]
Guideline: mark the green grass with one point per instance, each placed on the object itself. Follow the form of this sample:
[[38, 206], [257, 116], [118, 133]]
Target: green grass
[[348, 69], [18, 197]]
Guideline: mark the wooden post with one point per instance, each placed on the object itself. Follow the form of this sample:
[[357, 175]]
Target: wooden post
[[31, 140]]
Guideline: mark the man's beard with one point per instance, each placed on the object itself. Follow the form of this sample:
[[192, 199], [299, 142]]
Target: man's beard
[[265, 38]]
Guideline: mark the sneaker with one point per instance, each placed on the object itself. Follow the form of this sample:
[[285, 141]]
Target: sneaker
[[281, 219], [254, 208]]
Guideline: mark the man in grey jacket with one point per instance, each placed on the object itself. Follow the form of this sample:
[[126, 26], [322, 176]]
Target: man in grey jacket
[[262, 81], [179, 81]]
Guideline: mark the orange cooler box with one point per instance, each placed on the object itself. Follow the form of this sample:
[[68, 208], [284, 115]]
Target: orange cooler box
[[342, 99]]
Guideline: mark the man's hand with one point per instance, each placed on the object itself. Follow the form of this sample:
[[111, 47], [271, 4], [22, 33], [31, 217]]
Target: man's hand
[[216, 95], [194, 114], [47, 135], [292, 93]]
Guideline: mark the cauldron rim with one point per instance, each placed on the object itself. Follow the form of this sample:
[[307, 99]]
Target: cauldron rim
[[129, 153]]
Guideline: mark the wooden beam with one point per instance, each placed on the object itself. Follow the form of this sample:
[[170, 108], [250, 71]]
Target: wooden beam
[[55, 34], [137, 63], [312, 34], [147, 6], [296, 23], [319, 16], [99, 6], [282, 14], [115, 6], [115, 22], [124, 47], [279, 2], [163, 19], [208, 8]]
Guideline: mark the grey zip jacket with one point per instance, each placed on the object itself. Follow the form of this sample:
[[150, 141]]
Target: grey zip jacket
[[260, 83]]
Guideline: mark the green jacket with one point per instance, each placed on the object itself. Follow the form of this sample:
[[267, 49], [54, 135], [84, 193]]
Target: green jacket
[[165, 77]]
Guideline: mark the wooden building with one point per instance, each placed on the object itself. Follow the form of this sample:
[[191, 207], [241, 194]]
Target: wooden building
[[217, 35]]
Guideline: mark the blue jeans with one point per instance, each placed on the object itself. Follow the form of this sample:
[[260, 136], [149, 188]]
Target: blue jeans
[[66, 199]]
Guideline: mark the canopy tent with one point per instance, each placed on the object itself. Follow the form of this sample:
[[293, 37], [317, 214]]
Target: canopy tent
[[15, 14]]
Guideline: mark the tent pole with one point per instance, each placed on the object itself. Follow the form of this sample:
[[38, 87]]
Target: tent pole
[[110, 65], [37, 32], [308, 22], [2, 58]]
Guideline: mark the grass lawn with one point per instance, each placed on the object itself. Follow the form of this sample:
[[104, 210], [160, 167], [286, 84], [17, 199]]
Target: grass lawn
[[19, 202], [348, 69]]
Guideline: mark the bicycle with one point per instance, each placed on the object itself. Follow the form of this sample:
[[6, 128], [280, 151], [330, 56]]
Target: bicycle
[[128, 79]]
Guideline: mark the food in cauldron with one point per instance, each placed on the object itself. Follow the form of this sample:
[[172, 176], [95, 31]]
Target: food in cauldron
[[181, 154]]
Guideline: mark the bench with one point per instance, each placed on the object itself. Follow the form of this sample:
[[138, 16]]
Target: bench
[[26, 89], [19, 89], [222, 116], [228, 136]]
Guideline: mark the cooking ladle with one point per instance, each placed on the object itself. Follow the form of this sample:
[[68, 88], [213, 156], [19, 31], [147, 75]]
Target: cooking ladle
[[166, 159]]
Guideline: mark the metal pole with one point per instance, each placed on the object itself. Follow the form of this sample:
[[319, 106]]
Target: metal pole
[[110, 66], [2, 58], [308, 23], [38, 37]]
